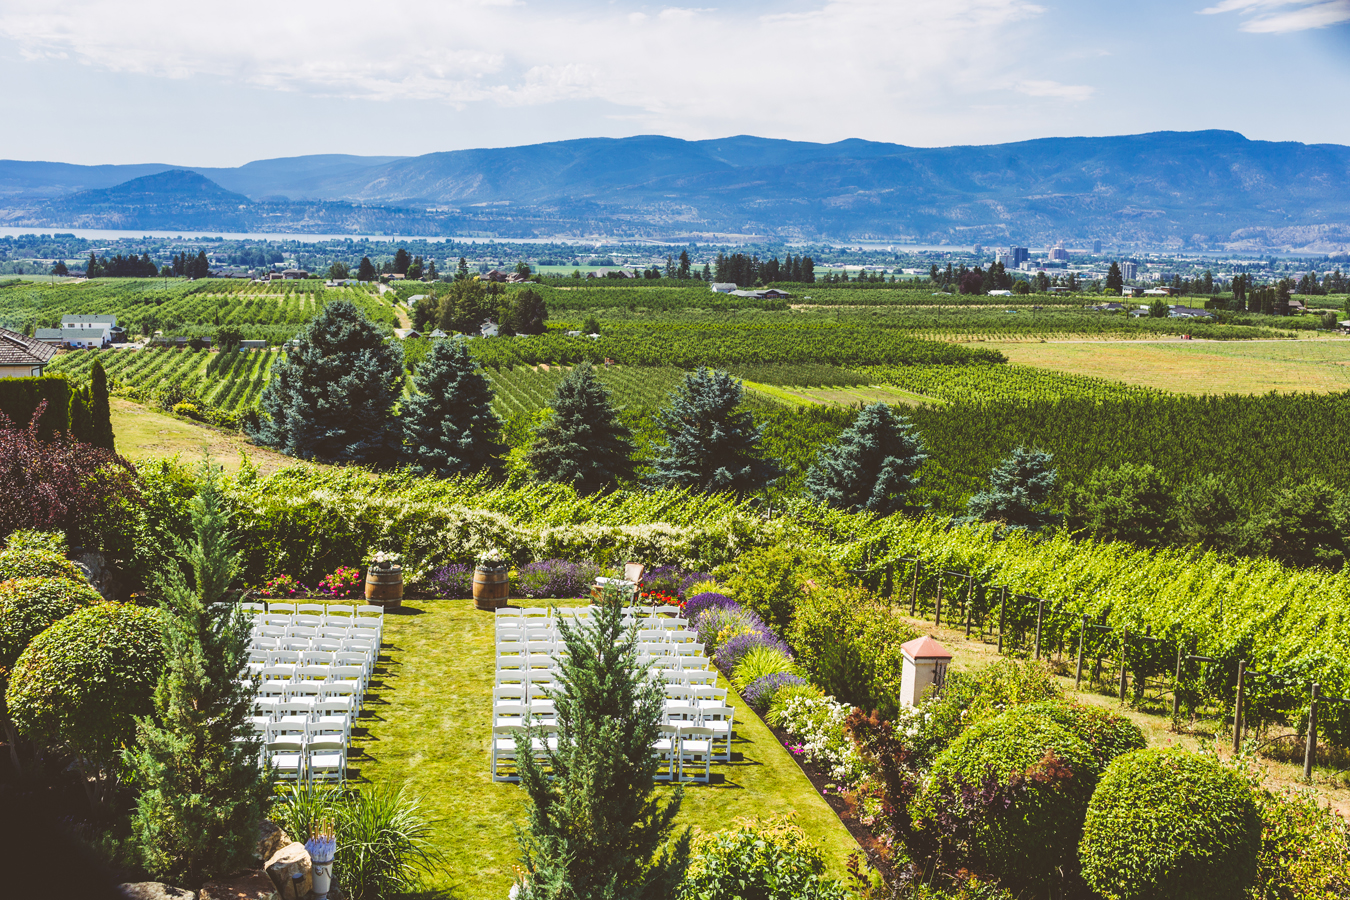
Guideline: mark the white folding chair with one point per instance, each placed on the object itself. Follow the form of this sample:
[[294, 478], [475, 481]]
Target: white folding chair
[[534, 612], [310, 609], [543, 711], [333, 715], [354, 674], [351, 692], [366, 646], [708, 696], [332, 620], [503, 749], [327, 760], [364, 634], [666, 751], [682, 711], [699, 676], [679, 693], [688, 650], [719, 720], [279, 620], [308, 632], [304, 690], [508, 693], [509, 713], [254, 608], [287, 757], [308, 621], [696, 750], [342, 609], [316, 658], [508, 612], [281, 608], [312, 673]]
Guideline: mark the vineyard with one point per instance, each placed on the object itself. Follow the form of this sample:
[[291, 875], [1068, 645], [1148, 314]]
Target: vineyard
[[229, 382]]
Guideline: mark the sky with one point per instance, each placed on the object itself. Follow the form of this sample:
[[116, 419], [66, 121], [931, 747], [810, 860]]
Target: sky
[[215, 83]]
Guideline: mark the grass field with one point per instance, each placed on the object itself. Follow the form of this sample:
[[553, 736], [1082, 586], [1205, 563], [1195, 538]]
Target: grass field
[[143, 433], [429, 724], [1198, 367]]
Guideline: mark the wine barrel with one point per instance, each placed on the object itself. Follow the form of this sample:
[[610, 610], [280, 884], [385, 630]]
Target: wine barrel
[[384, 587], [491, 588]]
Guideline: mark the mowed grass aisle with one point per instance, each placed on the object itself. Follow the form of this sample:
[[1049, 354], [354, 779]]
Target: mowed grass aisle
[[429, 721]]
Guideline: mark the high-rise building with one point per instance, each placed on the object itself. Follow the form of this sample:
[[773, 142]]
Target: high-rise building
[[1019, 255], [1096, 247], [1058, 254], [1129, 271]]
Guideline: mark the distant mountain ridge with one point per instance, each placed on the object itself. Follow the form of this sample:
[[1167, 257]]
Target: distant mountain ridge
[[1207, 189]]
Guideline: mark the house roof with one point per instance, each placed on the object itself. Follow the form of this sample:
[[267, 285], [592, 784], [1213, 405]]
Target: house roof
[[88, 320], [925, 648], [18, 350]]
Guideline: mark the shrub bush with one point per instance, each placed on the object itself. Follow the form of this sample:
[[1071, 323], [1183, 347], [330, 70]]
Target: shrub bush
[[758, 694], [719, 624], [29, 606], [771, 580], [1107, 734], [31, 539], [818, 724], [1170, 824], [454, 581], [83, 681], [346, 581], [705, 601], [553, 578], [35, 562], [1305, 849], [971, 697], [731, 651], [770, 859], [778, 704], [759, 662], [1008, 798], [849, 643]]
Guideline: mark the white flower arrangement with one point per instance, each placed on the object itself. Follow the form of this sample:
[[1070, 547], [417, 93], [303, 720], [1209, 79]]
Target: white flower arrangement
[[491, 559], [382, 559]]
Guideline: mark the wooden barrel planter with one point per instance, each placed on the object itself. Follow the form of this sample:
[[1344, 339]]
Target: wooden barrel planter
[[384, 587], [491, 588]]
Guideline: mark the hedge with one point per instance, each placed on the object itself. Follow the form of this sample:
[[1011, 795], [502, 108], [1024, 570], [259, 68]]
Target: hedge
[[28, 606], [67, 404], [1171, 825]]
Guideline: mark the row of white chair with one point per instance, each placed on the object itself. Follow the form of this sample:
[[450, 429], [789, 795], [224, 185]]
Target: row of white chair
[[341, 609], [581, 612], [296, 759]]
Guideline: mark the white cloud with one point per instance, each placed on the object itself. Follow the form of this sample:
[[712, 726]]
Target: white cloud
[[695, 71], [1283, 16]]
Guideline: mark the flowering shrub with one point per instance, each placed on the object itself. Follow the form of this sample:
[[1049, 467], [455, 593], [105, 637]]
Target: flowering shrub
[[699, 602], [760, 692], [284, 586], [730, 652], [453, 581], [772, 859], [345, 582], [556, 578], [817, 726], [721, 623]]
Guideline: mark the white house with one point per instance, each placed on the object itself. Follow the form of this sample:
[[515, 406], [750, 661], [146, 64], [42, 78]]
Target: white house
[[723, 287], [1000, 293], [489, 328]]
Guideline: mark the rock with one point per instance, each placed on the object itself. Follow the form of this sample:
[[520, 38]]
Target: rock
[[270, 839], [284, 864], [252, 886], [103, 578], [153, 890]]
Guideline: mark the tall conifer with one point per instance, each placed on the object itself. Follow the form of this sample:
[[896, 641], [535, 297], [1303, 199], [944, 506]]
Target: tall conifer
[[1019, 489], [583, 443], [100, 408], [711, 445], [449, 425], [871, 466], [196, 759], [332, 398]]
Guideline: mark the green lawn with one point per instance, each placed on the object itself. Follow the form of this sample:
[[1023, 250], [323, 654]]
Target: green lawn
[[428, 721]]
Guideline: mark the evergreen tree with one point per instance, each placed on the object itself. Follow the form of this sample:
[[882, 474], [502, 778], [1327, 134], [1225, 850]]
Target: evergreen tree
[[1207, 514], [710, 445], [583, 443], [449, 425], [462, 273], [196, 761], [60, 268], [1125, 503], [414, 272], [201, 266], [1114, 279], [596, 831], [333, 396], [431, 270], [401, 261], [871, 466], [1019, 489], [592, 325], [525, 313], [100, 410], [91, 268], [366, 270], [683, 272]]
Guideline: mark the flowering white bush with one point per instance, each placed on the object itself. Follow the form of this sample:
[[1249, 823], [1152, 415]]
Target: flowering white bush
[[818, 725]]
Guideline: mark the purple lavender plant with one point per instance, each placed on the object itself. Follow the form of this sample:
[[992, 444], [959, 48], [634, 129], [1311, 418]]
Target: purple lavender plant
[[555, 578], [699, 602], [454, 581], [692, 578], [729, 653], [759, 693]]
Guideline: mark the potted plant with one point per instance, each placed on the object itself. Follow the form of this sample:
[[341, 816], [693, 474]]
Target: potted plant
[[384, 580], [491, 580]]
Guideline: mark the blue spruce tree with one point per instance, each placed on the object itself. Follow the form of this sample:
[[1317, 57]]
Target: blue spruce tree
[[449, 425], [871, 466], [332, 398], [710, 445], [583, 443], [1019, 489]]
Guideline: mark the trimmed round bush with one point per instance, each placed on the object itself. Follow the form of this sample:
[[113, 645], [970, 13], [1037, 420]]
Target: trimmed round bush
[[32, 562], [29, 606], [772, 859], [1106, 733], [761, 692], [85, 679], [1008, 798], [1170, 825]]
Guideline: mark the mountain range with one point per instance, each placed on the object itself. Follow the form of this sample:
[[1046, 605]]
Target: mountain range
[[1178, 190]]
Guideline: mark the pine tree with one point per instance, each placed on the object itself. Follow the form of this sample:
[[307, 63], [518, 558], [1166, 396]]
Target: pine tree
[[333, 396], [366, 270], [1019, 489], [583, 443], [462, 273], [196, 759], [401, 261], [100, 410], [710, 445], [871, 466], [449, 425], [595, 829], [1114, 280]]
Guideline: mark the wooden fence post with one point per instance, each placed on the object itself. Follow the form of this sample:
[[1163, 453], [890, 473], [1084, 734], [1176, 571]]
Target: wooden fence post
[[1237, 706], [914, 589], [1040, 614], [970, 598], [937, 619], [1002, 617], [1124, 644], [1176, 685], [1078, 672], [1311, 752]]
